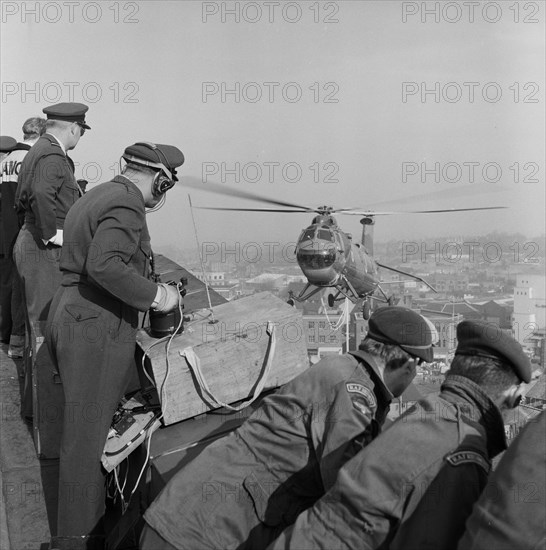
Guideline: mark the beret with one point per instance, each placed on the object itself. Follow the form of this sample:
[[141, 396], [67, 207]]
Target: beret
[[402, 327], [484, 339], [156, 155], [7, 144], [69, 112]]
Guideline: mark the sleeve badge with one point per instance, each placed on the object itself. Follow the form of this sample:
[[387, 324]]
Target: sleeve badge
[[359, 391]]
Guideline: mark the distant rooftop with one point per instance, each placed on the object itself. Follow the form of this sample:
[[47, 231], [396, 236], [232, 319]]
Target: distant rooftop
[[446, 306], [538, 391], [265, 278]]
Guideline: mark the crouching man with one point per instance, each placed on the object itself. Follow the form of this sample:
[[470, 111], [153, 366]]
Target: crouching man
[[245, 488]]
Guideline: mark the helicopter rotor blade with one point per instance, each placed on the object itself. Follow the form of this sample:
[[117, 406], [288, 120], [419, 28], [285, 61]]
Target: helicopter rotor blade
[[432, 211], [279, 210], [197, 183], [463, 191], [454, 192], [456, 209]]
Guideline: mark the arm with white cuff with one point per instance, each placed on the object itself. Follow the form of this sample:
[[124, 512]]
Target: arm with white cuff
[[166, 299], [57, 239]]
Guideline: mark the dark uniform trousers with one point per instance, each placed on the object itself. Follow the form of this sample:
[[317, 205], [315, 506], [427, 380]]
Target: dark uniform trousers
[[40, 277], [92, 339], [5, 298], [38, 267], [11, 309], [46, 190], [12, 314]]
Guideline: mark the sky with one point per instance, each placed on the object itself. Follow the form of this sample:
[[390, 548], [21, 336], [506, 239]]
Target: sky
[[347, 103]]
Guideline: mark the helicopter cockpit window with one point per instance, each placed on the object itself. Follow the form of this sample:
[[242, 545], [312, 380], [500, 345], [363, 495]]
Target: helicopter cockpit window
[[325, 235], [317, 261], [308, 234]]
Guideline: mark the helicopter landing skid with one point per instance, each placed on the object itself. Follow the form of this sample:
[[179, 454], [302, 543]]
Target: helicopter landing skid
[[387, 299], [302, 296]]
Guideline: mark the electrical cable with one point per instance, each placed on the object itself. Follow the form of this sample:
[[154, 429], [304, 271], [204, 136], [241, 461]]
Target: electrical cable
[[144, 355], [158, 205], [146, 460], [151, 422], [167, 370]]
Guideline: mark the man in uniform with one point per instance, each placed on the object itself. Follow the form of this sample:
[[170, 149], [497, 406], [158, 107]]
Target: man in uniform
[[511, 513], [414, 487], [245, 488], [93, 321], [46, 190], [33, 128], [7, 144]]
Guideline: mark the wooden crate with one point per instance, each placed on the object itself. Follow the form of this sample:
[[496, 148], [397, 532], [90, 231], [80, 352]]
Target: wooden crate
[[232, 353]]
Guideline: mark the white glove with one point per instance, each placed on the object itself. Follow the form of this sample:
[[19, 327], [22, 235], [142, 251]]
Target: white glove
[[166, 299], [57, 239]]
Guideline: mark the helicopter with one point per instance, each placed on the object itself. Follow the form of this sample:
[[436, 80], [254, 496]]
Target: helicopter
[[327, 255]]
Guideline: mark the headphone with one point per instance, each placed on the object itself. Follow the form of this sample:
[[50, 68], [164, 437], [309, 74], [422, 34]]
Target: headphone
[[161, 182]]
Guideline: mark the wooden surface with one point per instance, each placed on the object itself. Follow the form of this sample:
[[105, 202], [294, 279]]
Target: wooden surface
[[232, 353]]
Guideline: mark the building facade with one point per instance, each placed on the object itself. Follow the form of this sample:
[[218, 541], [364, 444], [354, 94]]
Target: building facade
[[529, 307]]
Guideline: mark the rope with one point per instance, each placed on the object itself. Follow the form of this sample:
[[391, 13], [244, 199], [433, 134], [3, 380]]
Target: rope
[[201, 260], [195, 366], [342, 319]]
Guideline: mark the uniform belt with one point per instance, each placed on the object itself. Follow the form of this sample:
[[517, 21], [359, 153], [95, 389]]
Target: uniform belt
[[80, 284]]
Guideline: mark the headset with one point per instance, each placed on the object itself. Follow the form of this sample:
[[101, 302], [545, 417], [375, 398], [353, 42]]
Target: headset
[[161, 184], [165, 178]]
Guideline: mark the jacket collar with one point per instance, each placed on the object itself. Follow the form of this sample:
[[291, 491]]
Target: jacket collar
[[370, 364], [477, 406], [53, 140], [131, 186]]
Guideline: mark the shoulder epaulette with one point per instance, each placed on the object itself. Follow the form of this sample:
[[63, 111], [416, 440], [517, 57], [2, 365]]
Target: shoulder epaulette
[[459, 458]]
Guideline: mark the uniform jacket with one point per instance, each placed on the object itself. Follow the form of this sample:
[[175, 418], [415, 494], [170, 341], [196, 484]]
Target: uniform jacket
[[414, 486], [46, 188], [9, 172], [282, 459], [107, 244], [511, 513]]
